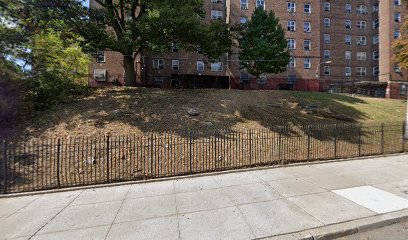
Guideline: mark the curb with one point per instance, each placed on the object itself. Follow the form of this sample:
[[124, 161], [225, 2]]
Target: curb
[[284, 165], [345, 228]]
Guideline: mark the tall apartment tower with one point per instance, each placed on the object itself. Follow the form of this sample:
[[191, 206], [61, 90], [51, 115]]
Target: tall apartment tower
[[392, 14], [332, 44]]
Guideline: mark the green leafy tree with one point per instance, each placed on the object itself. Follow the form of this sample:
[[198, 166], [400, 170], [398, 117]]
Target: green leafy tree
[[60, 67], [401, 46], [262, 43], [135, 26]]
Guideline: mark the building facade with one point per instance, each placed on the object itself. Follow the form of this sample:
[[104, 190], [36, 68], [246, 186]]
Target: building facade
[[332, 44]]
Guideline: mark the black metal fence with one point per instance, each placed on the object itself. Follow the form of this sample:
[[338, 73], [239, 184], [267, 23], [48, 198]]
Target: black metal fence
[[58, 163]]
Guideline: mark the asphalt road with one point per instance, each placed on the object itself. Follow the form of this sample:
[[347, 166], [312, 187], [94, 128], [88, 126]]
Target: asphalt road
[[397, 231]]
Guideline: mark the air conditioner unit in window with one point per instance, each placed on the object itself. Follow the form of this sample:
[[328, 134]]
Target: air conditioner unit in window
[[244, 7], [99, 75]]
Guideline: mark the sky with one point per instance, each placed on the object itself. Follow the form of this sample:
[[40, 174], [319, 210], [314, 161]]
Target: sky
[[86, 3]]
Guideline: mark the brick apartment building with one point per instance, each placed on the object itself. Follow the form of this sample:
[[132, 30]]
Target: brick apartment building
[[334, 45]]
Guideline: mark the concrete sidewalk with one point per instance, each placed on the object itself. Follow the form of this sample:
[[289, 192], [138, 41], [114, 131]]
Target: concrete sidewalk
[[244, 205]]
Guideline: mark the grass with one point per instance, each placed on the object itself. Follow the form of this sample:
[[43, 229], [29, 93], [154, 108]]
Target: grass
[[139, 110]]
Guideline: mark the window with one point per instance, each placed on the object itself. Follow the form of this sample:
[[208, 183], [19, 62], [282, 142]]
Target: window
[[100, 56], [200, 66], [244, 77], [347, 55], [326, 54], [361, 24], [217, 1], [307, 63], [216, 67], [348, 8], [326, 6], [326, 22], [158, 63], [262, 79], [361, 56], [376, 39], [361, 71], [403, 89], [361, 9], [347, 71], [376, 7], [397, 68], [376, 55], [307, 27], [327, 39], [244, 4], [376, 23], [347, 39], [307, 8], [361, 40], [326, 70], [292, 62], [376, 71], [348, 24], [291, 26], [175, 64], [99, 74], [396, 34], [260, 4], [244, 20], [291, 44], [307, 45], [215, 14], [397, 2], [397, 17], [158, 81], [291, 7]]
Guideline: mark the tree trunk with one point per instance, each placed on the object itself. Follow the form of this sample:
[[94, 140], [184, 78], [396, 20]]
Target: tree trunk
[[130, 72]]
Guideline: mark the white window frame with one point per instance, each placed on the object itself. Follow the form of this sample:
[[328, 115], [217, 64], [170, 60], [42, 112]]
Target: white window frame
[[348, 40], [376, 71], [216, 67], [260, 4], [262, 79], [376, 39], [361, 56], [347, 24], [376, 23], [326, 6], [397, 2], [397, 17], [348, 8], [327, 22], [397, 33], [362, 9], [175, 64], [361, 71], [361, 40], [326, 54], [291, 44], [217, 15], [326, 70], [243, 20], [326, 38], [244, 4], [362, 25], [307, 10], [291, 7], [307, 26], [376, 55], [100, 75], [291, 26], [292, 62], [348, 71], [348, 55], [158, 64], [200, 66], [307, 63], [308, 43]]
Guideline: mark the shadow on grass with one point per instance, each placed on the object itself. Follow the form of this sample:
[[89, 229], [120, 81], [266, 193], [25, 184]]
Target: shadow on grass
[[163, 110]]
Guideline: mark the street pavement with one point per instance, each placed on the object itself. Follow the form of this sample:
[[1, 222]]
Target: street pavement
[[240, 205]]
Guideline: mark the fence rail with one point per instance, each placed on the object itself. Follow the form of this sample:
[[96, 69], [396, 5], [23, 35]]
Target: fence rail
[[57, 163]]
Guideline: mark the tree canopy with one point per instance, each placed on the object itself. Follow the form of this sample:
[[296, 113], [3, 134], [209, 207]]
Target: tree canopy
[[401, 47], [262, 43]]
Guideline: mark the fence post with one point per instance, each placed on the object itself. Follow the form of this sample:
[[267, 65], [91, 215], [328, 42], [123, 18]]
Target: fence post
[[250, 147], [308, 142], [335, 140], [151, 154], [58, 162], [107, 158], [190, 150], [280, 145], [4, 169], [382, 138], [359, 140]]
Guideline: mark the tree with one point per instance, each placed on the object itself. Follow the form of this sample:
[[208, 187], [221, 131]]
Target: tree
[[401, 46], [263, 47], [135, 26]]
